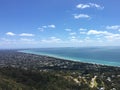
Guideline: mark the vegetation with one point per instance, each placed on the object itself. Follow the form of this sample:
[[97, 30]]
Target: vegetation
[[21, 79], [20, 71]]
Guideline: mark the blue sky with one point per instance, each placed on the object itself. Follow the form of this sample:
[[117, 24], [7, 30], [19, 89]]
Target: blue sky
[[59, 23]]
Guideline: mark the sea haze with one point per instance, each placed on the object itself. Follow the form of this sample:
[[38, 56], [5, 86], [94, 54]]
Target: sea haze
[[100, 55]]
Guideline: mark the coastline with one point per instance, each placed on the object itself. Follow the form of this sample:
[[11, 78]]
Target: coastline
[[13, 63], [65, 58]]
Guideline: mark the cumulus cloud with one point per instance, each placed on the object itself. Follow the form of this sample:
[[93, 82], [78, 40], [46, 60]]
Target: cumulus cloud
[[51, 40], [78, 16], [82, 32], [26, 34], [75, 40], [114, 27], [72, 33], [73, 37], [17, 42], [68, 29], [87, 38], [109, 36], [10, 34], [8, 40], [96, 5], [95, 32], [51, 26], [42, 28], [26, 39], [82, 29], [89, 5], [113, 37], [82, 6]]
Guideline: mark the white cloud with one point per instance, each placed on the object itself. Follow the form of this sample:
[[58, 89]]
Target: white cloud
[[10, 34], [72, 33], [51, 26], [82, 32], [68, 29], [113, 37], [26, 39], [73, 37], [89, 5], [26, 34], [75, 40], [82, 6], [7, 40], [41, 29], [54, 38], [44, 26], [96, 5], [78, 16], [87, 38], [114, 27], [14, 43], [82, 29], [107, 35], [95, 32], [51, 40]]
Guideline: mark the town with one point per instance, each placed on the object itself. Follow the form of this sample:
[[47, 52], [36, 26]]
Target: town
[[82, 75]]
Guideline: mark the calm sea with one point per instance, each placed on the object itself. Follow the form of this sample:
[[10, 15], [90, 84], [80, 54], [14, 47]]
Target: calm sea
[[100, 55]]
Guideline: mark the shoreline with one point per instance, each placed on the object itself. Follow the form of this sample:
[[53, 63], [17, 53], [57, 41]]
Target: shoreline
[[67, 59], [13, 63]]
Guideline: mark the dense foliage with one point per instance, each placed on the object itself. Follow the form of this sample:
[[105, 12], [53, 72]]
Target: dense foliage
[[18, 78]]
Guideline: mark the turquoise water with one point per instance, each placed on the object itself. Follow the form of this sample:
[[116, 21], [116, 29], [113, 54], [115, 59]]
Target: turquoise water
[[99, 55]]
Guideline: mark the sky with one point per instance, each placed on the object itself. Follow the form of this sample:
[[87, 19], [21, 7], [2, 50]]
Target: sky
[[59, 23]]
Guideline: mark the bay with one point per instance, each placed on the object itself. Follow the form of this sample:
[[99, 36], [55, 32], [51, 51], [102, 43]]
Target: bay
[[98, 55]]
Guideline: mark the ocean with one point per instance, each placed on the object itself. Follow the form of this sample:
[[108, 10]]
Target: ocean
[[98, 55]]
